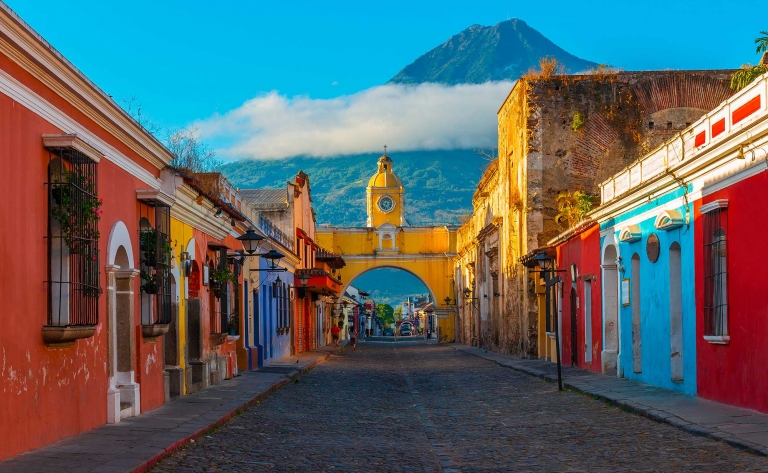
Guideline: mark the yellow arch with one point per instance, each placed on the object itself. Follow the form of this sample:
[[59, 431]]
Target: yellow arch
[[425, 252]]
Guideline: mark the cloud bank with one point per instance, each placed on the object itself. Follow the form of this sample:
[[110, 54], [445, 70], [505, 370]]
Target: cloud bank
[[406, 118]]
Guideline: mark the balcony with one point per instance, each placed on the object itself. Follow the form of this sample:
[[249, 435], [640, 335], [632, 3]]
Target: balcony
[[320, 281]]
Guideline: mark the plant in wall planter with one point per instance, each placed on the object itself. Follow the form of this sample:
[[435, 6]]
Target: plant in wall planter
[[234, 323], [77, 208], [218, 277], [155, 247], [149, 282]]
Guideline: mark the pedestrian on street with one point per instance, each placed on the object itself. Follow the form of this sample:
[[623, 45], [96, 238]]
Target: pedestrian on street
[[353, 340], [335, 330]]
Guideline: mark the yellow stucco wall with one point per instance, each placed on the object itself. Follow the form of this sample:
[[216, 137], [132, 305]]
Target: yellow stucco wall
[[180, 235]]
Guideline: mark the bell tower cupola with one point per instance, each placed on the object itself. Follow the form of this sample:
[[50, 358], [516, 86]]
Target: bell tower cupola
[[385, 196]]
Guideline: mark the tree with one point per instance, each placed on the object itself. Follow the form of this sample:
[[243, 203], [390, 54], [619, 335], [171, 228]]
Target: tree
[[748, 73], [573, 206], [386, 314], [191, 154]]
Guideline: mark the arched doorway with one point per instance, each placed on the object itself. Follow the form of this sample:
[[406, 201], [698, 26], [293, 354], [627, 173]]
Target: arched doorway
[[610, 352], [574, 330], [172, 342], [123, 395]]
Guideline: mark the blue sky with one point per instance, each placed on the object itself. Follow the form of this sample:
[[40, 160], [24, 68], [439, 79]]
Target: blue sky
[[188, 60]]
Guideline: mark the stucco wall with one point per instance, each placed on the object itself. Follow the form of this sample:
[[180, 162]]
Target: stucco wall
[[736, 373], [655, 328]]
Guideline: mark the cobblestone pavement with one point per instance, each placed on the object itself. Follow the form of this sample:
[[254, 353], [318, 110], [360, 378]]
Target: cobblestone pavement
[[412, 406]]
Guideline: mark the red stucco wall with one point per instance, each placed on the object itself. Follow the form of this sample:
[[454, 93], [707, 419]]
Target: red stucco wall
[[48, 394], [737, 373], [583, 250]]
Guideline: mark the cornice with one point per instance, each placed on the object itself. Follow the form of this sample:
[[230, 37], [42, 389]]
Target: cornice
[[20, 93], [188, 211], [32, 53]]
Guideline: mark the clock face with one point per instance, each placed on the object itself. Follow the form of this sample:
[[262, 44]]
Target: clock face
[[386, 204]]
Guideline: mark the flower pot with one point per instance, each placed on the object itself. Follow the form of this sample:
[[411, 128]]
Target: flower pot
[[216, 290], [150, 288], [149, 259]]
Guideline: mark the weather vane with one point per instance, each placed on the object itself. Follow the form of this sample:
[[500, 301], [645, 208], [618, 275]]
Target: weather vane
[[385, 149]]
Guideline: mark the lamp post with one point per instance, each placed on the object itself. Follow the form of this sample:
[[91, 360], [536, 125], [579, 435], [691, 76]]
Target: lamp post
[[545, 265]]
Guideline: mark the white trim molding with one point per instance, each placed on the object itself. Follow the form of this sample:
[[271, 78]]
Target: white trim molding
[[717, 339], [715, 204], [72, 141], [668, 220], [155, 195], [630, 233]]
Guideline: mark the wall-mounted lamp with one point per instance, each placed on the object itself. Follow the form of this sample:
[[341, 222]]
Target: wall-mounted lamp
[[218, 212]]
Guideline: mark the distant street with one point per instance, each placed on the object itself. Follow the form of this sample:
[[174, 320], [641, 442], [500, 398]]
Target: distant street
[[418, 406]]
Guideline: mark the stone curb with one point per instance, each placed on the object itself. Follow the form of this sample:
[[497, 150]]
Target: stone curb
[[629, 406], [150, 463]]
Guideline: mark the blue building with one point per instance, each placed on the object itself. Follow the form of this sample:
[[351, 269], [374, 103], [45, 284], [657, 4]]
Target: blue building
[[647, 255]]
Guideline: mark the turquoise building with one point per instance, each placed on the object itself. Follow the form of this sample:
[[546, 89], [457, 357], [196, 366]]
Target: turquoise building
[[649, 307]]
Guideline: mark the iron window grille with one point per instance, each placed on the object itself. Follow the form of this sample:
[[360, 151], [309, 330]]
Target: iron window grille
[[73, 238], [715, 272], [232, 323], [155, 258], [220, 313], [282, 297]]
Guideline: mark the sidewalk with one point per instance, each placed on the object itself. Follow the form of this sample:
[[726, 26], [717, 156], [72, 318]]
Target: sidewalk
[[739, 427], [136, 444]]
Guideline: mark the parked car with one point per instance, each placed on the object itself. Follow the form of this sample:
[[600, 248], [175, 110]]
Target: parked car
[[406, 330], [388, 332]]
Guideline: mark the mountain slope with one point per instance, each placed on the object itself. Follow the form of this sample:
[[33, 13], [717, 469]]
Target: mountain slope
[[438, 184], [479, 54]]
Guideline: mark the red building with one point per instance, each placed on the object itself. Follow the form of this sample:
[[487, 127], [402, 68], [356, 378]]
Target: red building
[[78, 174], [578, 251]]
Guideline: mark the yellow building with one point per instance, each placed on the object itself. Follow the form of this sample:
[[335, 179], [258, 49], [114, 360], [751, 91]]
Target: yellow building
[[387, 241]]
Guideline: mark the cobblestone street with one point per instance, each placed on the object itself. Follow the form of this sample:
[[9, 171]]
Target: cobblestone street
[[410, 406]]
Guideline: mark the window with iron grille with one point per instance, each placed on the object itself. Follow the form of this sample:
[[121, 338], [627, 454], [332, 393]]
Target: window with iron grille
[[74, 211], [715, 228], [155, 261]]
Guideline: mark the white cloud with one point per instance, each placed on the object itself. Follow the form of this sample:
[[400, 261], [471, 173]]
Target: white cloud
[[421, 117]]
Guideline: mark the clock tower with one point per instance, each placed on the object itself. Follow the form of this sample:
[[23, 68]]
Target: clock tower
[[385, 197]]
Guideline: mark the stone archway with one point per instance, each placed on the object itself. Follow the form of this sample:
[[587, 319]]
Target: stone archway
[[123, 395]]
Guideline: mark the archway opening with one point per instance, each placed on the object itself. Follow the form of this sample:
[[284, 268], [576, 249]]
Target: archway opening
[[387, 301]]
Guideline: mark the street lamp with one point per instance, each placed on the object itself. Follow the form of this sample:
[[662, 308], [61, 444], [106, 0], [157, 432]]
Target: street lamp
[[251, 241], [545, 263], [303, 279]]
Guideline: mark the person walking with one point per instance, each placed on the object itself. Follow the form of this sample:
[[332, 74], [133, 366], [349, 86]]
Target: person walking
[[353, 340], [335, 330]]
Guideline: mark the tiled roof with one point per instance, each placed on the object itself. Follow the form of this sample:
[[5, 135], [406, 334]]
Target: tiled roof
[[262, 199]]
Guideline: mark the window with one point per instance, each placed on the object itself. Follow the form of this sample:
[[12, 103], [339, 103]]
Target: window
[[73, 238], [155, 258], [715, 271]]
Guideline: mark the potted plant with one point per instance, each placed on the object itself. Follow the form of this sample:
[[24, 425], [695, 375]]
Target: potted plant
[[76, 207], [154, 246], [218, 277], [234, 325], [150, 284]]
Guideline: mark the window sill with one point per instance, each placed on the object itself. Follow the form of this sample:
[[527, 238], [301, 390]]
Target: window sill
[[232, 338], [718, 339], [552, 335], [64, 337], [154, 330], [217, 339]]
